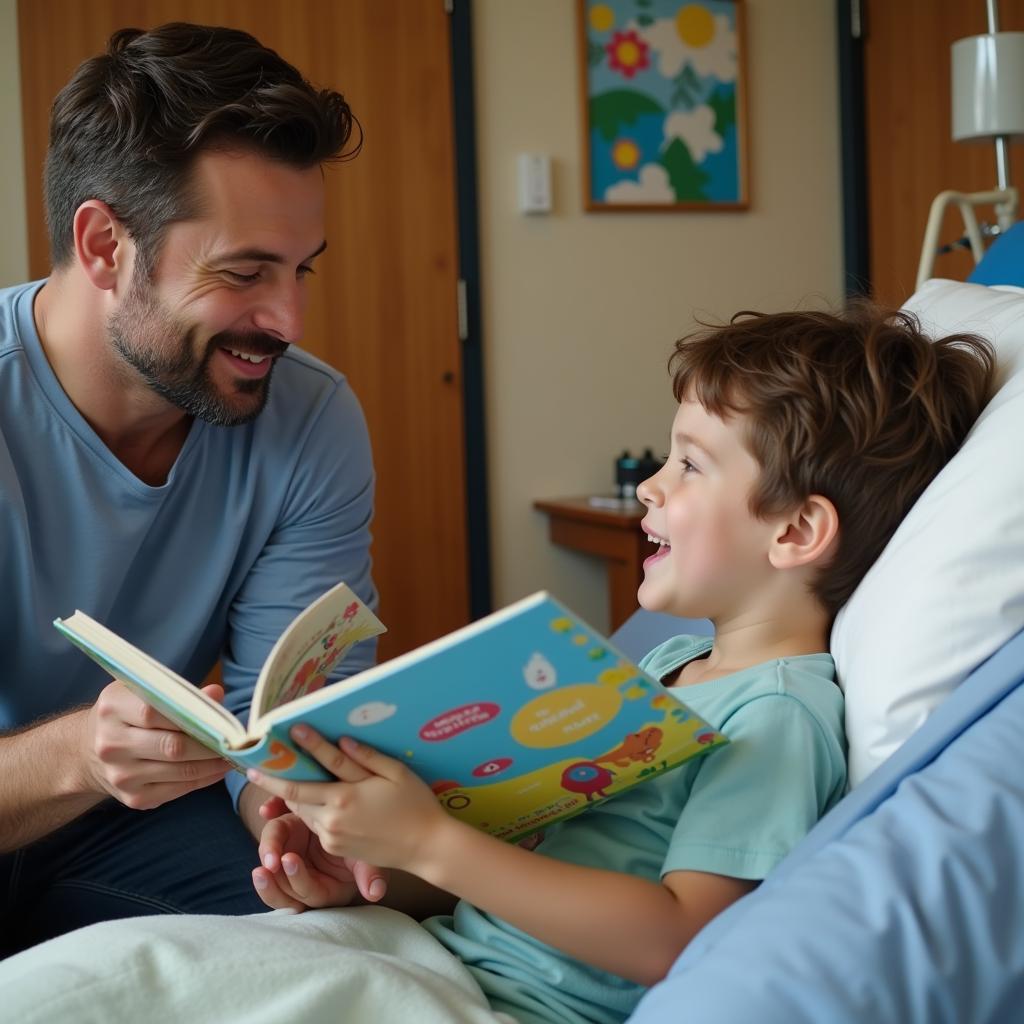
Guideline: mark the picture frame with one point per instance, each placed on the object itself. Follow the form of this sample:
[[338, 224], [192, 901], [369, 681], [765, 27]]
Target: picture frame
[[663, 87]]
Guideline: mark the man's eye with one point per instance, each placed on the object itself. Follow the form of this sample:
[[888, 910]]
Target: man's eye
[[244, 278], [304, 272]]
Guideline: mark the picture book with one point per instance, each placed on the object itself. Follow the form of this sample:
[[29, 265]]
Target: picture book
[[298, 665], [518, 720]]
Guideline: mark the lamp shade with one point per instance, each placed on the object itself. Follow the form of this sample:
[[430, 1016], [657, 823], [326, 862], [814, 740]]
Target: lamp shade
[[988, 86]]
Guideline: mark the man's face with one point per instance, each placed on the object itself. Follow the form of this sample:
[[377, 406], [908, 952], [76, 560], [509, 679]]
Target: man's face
[[227, 295]]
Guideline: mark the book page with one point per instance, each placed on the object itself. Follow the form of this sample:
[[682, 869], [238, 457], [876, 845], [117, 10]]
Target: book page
[[303, 658]]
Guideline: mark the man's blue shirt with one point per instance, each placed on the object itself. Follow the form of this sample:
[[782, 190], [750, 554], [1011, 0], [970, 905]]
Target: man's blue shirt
[[252, 524]]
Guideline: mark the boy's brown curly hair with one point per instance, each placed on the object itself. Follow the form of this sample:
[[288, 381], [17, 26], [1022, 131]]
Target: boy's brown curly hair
[[860, 407]]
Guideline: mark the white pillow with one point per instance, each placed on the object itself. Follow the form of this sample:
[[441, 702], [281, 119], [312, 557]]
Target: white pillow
[[948, 589]]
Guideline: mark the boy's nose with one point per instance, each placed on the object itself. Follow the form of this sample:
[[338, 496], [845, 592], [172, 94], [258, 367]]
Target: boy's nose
[[647, 491]]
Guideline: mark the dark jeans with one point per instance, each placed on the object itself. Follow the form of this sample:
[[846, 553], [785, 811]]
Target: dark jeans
[[190, 856]]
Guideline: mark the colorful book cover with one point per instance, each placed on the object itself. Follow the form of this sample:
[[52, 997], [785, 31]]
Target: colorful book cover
[[519, 720]]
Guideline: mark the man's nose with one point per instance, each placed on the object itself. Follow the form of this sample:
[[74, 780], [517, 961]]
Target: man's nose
[[283, 312]]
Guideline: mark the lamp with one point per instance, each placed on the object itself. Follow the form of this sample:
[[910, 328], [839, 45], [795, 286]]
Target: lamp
[[988, 103], [988, 91]]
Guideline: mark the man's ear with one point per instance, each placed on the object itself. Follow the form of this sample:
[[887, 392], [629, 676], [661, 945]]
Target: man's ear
[[806, 536], [104, 250]]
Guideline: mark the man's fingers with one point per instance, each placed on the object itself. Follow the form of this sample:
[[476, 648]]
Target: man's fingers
[[172, 744], [271, 893], [137, 776], [298, 878], [370, 880], [315, 887], [155, 794], [215, 691], [117, 702], [161, 739], [273, 842], [272, 808]]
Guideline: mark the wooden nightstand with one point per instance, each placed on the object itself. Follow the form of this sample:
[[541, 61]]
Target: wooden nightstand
[[611, 534]]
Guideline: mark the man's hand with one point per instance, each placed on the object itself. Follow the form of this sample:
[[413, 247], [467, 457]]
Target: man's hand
[[136, 755], [297, 872]]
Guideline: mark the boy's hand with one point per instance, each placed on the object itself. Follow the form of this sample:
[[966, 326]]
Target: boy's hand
[[297, 873], [379, 812]]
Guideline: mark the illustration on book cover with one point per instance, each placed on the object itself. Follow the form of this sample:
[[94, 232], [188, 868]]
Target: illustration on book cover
[[579, 724]]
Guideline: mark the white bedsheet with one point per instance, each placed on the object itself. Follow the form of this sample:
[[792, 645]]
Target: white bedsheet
[[362, 964]]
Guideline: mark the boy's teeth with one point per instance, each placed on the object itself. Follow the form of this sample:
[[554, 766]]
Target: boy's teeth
[[658, 541], [246, 356]]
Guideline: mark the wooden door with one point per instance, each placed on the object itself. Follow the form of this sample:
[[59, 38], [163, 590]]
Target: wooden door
[[911, 155], [383, 301]]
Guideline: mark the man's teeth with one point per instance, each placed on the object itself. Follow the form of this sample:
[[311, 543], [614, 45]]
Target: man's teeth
[[246, 356]]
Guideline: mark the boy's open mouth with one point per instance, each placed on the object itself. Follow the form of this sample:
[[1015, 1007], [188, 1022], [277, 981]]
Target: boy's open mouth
[[663, 548]]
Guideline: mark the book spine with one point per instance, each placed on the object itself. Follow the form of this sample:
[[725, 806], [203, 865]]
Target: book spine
[[276, 754]]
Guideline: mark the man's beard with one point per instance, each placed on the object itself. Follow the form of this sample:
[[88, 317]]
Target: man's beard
[[160, 348]]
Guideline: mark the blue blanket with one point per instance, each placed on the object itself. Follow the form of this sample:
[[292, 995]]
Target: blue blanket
[[905, 903]]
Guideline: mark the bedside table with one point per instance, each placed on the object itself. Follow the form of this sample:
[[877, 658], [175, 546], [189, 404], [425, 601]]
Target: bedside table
[[611, 534]]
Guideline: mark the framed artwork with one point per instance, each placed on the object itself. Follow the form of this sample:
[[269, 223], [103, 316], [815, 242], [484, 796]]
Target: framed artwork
[[663, 104]]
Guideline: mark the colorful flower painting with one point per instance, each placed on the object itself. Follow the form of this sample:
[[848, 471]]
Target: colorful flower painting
[[664, 118]]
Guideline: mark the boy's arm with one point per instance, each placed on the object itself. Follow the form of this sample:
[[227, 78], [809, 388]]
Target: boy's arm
[[382, 813], [625, 925]]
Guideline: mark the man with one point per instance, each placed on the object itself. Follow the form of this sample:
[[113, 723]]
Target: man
[[168, 463]]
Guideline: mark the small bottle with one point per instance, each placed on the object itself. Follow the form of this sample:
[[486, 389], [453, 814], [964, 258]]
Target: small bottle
[[649, 464], [627, 475]]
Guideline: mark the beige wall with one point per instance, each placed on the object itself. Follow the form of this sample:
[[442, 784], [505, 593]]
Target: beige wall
[[14, 238], [580, 309]]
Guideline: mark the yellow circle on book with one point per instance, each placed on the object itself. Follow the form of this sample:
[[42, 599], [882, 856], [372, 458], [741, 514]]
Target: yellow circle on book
[[564, 716]]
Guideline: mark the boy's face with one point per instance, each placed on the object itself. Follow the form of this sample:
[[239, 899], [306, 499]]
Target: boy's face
[[712, 553]]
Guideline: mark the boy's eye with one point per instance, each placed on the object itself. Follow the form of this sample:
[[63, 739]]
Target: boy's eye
[[688, 466]]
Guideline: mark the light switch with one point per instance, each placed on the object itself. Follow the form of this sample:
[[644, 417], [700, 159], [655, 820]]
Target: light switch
[[534, 183]]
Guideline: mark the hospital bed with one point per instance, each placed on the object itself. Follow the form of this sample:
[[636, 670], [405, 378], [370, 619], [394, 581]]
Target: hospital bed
[[904, 904]]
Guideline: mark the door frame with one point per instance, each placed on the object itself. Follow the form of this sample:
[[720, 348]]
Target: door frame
[[853, 147], [470, 321]]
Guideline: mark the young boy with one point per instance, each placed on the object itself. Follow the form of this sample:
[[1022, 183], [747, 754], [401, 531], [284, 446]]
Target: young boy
[[800, 442]]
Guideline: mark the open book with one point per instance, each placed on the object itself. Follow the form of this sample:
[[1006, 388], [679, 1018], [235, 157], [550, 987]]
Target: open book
[[516, 721]]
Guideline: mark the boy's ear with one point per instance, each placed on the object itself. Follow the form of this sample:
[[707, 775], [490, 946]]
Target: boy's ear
[[807, 535], [102, 245]]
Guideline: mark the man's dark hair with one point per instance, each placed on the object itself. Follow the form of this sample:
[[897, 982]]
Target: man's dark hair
[[861, 407], [129, 124]]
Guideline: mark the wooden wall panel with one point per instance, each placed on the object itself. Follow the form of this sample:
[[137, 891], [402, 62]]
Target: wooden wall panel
[[911, 154], [383, 301]]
